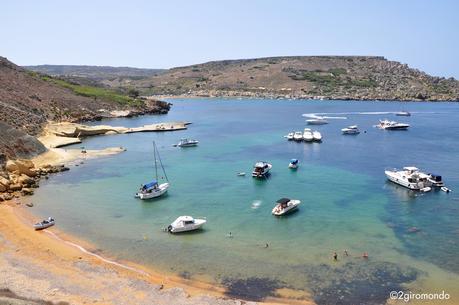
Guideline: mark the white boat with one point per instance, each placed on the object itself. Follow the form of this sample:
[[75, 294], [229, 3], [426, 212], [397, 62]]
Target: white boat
[[403, 113], [290, 136], [318, 121], [436, 180], [410, 177], [185, 224], [44, 224], [352, 130], [261, 169], [392, 125], [307, 135], [153, 189], [240, 174], [298, 136], [187, 143], [293, 164], [285, 206], [317, 136]]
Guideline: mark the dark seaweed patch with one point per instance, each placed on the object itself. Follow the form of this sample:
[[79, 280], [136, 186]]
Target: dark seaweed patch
[[364, 282], [185, 274], [251, 289]]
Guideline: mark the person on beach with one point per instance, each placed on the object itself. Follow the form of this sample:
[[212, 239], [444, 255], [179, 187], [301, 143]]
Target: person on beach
[[365, 255], [267, 245], [335, 256], [345, 253]]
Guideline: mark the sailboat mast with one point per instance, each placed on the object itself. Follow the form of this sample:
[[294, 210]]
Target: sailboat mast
[[162, 167], [156, 166]]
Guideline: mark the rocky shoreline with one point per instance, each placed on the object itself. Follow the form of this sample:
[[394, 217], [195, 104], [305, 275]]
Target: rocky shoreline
[[21, 177], [279, 95]]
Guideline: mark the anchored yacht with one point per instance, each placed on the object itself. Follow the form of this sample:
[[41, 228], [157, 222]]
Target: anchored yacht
[[392, 125], [410, 177], [351, 130], [261, 169]]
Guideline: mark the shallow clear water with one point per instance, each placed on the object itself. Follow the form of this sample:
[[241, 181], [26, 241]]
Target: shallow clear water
[[346, 201]]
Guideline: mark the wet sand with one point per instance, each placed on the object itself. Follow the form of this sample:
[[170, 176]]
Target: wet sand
[[53, 266]]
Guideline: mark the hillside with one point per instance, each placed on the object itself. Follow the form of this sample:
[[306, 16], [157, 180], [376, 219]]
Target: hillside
[[334, 77], [96, 75], [28, 100]]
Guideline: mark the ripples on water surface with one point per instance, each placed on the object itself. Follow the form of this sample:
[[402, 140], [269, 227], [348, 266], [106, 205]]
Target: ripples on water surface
[[346, 201]]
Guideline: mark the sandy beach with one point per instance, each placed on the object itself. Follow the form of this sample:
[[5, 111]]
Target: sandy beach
[[53, 266]]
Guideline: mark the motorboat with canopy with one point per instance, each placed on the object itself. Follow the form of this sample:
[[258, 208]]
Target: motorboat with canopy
[[285, 206], [293, 164], [261, 169]]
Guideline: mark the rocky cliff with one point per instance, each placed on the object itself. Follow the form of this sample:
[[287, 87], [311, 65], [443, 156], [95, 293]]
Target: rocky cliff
[[28, 100]]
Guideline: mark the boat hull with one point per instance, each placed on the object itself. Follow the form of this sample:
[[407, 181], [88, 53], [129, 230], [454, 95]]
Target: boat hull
[[161, 190], [193, 227], [280, 212], [393, 177]]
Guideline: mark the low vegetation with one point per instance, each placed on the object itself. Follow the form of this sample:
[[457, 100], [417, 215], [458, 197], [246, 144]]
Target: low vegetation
[[95, 92]]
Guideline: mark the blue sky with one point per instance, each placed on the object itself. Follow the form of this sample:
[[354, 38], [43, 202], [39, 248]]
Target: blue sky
[[163, 34]]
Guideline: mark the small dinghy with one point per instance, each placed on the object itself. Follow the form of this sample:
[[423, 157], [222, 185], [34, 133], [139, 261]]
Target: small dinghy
[[445, 189], [293, 164], [185, 224], [426, 189], [285, 206], [290, 136], [44, 224], [240, 174]]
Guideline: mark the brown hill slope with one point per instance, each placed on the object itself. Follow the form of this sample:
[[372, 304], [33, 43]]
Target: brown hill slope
[[28, 100], [335, 77]]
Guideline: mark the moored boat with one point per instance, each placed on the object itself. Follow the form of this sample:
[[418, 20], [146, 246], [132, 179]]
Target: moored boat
[[187, 143], [44, 224], [185, 224], [153, 189], [290, 136], [317, 136], [318, 121], [285, 206], [293, 164], [409, 177], [261, 169], [351, 130], [392, 125], [307, 135], [298, 136]]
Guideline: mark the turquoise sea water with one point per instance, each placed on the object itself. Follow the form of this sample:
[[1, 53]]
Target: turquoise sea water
[[346, 201]]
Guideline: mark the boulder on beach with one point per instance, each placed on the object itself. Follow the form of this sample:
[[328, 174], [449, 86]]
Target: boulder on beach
[[21, 166]]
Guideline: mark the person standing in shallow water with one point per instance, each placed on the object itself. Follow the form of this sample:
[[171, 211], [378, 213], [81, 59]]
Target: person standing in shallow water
[[335, 256]]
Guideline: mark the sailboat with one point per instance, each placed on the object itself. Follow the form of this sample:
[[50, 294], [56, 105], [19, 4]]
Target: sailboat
[[153, 189]]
